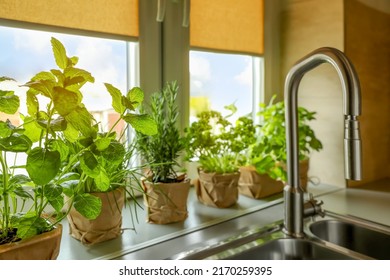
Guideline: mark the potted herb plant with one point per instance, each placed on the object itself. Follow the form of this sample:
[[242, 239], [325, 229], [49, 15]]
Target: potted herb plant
[[27, 229], [166, 189], [267, 156], [101, 177], [54, 112], [218, 145], [105, 179], [57, 177], [26, 232], [261, 175]]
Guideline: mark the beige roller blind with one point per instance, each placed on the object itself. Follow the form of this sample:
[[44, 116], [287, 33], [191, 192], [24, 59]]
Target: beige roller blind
[[118, 17], [228, 25]]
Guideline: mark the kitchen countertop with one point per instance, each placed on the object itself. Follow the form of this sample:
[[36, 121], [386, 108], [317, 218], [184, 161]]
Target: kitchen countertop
[[211, 224], [372, 203]]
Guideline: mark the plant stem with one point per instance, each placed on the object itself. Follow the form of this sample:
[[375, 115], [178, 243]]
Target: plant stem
[[116, 123], [4, 195], [51, 112], [71, 161]]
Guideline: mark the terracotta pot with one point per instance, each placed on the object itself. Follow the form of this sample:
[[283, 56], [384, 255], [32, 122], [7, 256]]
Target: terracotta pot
[[45, 246], [217, 190], [166, 202], [255, 185], [107, 226]]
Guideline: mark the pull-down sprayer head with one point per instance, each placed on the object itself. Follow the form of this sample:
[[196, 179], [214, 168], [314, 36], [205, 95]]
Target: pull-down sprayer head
[[352, 148]]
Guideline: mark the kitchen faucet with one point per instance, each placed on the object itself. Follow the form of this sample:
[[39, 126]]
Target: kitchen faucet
[[294, 208]]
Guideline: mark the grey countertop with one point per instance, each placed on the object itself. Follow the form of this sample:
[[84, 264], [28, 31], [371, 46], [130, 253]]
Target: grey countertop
[[208, 224], [366, 204]]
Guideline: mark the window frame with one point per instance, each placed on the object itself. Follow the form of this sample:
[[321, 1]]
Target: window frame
[[165, 56]]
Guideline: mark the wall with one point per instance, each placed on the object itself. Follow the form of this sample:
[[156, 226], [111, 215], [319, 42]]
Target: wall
[[367, 43], [306, 26]]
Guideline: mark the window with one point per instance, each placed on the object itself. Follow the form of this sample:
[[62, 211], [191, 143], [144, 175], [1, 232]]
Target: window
[[232, 71], [217, 77], [168, 44], [218, 80], [210, 80]]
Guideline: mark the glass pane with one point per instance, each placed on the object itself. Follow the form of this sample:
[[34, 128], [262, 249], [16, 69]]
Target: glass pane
[[218, 80], [23, 53]]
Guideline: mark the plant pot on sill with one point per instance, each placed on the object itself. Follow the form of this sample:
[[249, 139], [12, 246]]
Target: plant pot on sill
[[256, 185], [217, 190], [107, 226], [166, 202], [45, 246]]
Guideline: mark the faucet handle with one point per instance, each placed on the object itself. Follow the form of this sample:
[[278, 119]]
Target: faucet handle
[[313, 207]]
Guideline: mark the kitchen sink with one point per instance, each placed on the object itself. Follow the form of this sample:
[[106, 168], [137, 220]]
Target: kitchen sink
[[359, 238], [290, 249], [334, 237]]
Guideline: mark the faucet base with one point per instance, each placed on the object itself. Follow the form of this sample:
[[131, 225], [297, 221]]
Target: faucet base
[[293, 211]]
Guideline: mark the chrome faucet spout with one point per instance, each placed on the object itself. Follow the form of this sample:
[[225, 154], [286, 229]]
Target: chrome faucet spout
[[293, 194]]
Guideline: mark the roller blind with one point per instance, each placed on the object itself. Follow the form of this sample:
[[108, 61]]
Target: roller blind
[[227, 25], [117, 17]]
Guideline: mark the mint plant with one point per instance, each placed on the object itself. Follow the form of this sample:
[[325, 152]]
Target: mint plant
[[63, 146], [101, 162]]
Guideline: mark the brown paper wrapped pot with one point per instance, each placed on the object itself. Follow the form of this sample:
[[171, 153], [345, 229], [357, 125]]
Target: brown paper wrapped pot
[[45, 246], [255, 185], [108, 225], [217, 190], [166, 202]]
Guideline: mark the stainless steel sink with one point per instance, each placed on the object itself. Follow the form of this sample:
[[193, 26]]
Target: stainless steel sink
[[334, 237], [267, 243], [290, 249], [353, 236]]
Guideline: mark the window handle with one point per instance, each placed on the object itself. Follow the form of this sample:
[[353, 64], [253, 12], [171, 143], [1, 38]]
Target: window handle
[[186, 13], [161, 6]]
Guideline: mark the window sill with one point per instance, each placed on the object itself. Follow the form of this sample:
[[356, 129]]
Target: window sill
[[146, 234]]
